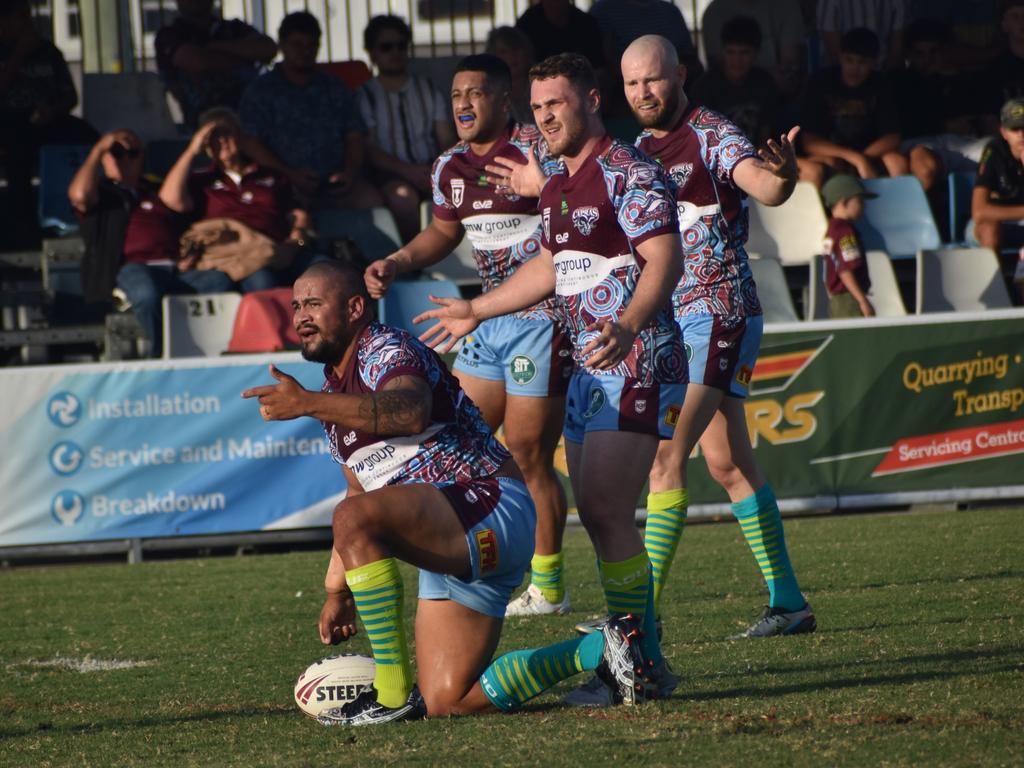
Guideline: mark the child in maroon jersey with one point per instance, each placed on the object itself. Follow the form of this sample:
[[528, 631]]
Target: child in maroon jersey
[[846, 269]]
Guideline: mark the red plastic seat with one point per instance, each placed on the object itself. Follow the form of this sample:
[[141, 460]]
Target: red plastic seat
[[354, 73], [263, 323]]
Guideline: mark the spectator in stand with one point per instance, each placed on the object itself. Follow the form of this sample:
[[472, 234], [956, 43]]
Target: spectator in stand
[[846, 267], [513, 47], [849, 118], [781, 26], [997, 204], [886, 18], [738, 89], [131, 237], [248, 223], [408, 121], [310, 122], [37, 95], [558, 26], [1003, 79], [207, 61], [973, 28]]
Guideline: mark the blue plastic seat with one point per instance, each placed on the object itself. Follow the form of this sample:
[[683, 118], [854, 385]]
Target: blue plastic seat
[[374, 231], [407, 298], [58, 164], [899, 221], [961, 187]]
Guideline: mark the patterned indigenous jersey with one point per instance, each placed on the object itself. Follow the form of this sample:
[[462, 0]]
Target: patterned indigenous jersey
[[593, 221], [456, 447], [700, 155], [504, 228]]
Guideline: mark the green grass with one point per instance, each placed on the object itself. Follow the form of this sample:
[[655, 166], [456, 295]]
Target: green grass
[[919, 659]]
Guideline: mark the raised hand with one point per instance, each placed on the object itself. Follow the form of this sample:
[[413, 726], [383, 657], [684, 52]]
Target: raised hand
[[282, 401], [455, 319], [780, 157], [379, 276], [523, 179]]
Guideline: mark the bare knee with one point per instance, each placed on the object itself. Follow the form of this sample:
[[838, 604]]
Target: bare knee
[[987, 234], [726, 474], [926, 166], [896, 164], [450, 701], [353, 527]]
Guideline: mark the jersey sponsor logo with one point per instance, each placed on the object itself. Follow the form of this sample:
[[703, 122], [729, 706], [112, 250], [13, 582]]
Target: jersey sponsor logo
[[723, 364], [524, 370], [482, 205], [743, 376], [722, 344], [640, 406], [562, 238], [580, 271], [585, 218], [487, 546], [349, 438], [597, 401], [495, 231], [672, 415], [546, 219], [471, 496], [680, 173], [458, 191], [689, 214], [375, 464]]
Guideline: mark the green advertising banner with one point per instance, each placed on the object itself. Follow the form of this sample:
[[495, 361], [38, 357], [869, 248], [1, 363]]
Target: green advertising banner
[[889, 406]]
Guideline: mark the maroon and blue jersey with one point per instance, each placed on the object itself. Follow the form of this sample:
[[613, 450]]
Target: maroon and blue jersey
[[457, 446], [593, 222], [503, 227], [700, 155]]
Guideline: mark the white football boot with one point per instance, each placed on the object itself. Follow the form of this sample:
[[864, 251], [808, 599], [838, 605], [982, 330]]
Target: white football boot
[[533, 603]]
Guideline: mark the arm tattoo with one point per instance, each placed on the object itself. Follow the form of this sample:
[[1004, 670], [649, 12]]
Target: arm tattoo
[[393, 412]]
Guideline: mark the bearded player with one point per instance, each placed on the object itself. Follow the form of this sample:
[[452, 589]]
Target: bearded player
[[515, 368]]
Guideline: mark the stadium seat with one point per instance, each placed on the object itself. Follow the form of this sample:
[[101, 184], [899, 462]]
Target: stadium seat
[[407, 298], [791, 233], [374, 231], [354, 73], [58, 164], [959, 280], [199, 325], [135, 100], [263, 323], [961, 187], [884, 294], [899, 220], [772, 290]]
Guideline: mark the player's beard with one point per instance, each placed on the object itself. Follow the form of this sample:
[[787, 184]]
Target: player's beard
[[328, 351], [661, 119]]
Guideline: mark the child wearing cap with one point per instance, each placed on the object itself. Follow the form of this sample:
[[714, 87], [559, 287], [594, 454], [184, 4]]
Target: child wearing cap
[[846, 269]]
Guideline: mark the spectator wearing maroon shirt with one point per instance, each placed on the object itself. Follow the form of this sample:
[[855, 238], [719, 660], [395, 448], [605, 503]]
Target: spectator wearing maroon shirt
[[131, 237], [207, 61], [846, 268], [236, 188]]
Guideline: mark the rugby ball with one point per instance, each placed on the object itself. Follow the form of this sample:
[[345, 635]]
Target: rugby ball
[[333, 681]]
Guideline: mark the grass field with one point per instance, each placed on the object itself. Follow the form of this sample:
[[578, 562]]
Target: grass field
[[918, 660]]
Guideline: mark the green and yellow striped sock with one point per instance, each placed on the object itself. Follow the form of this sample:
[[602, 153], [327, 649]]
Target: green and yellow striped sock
[[377, 589], [518, 676], [546, 575], [629, 588], [666, 518], [761, 523]]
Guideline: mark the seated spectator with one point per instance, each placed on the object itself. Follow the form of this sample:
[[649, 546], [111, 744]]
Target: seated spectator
[[408, 121], [886, 18], [558, 26], [248, 224], [781, 25], [1003, 79], [514, 48], [131, 237], [846, 268], [310, 122], [744, 93], [849, 118], [997, 203], [207, 61], [37, 95]]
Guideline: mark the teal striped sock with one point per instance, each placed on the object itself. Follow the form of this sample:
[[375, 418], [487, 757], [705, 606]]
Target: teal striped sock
[[761, 523], [518, 676]]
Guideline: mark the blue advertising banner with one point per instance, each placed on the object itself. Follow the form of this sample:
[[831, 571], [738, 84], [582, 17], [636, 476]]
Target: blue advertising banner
[[165, 448]]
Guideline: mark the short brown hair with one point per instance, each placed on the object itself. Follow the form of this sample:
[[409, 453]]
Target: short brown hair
[[572, 66]]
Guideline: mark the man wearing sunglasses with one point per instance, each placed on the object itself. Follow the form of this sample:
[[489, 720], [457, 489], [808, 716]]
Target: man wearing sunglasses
[[131, 237]]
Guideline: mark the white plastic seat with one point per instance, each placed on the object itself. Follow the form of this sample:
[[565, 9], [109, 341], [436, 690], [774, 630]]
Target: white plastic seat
[[884, 293], [198, 325], [899, 221], [959, 280], [790, 233], [772, 290]]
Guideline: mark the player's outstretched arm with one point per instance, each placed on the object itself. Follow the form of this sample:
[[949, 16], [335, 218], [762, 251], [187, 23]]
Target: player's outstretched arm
[[401, 407], [533, 281], [771, 177], [661, 273], [429, 247], [523, 179]]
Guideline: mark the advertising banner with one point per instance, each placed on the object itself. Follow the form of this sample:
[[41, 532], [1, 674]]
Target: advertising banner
[[844, 408], [138, 450]]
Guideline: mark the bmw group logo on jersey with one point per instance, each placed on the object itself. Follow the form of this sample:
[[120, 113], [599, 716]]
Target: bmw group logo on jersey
[[67, 507], [66, 458], [64, 409]]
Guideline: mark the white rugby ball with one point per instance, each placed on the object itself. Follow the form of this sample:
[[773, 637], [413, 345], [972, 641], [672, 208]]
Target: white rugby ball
[[333, 681]]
